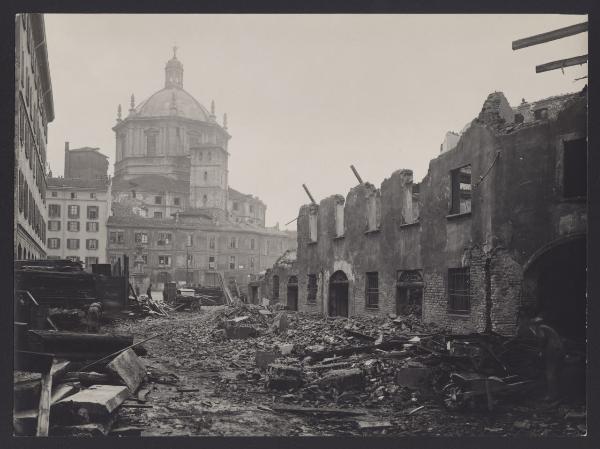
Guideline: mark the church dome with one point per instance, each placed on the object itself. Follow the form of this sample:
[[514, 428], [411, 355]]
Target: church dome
[[172, 101]]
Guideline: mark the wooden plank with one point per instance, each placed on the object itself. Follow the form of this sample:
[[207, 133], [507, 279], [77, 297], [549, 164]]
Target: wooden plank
[[94, 404], [43, 421], [561, 63], [550, 36], [61, 392], [317, 410], [128, 367]]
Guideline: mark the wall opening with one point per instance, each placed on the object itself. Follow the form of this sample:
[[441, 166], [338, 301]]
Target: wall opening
[[461, 190], [409, 293], [292, 293], [338, 294]]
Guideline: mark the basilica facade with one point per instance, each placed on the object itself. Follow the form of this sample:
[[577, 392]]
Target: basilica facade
[[172, 204]]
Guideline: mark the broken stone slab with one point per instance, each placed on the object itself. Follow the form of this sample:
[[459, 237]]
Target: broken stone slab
[[94, 404], [62, 391], [240, 332], [343, 379], [286, 348], [129, 368], [283, 382], [412, 377], [264, 358]]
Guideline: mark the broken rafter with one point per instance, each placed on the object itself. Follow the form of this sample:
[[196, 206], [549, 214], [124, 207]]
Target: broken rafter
[[561, 63], [550, 36], [360, 181], [309, 194]]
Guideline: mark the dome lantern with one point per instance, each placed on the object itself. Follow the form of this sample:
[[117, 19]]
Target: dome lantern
[[174, 72]]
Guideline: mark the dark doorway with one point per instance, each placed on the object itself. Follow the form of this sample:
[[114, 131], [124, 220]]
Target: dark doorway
[[560, 280], [254, 294], [409, 292], [338, 294], [292, 293]]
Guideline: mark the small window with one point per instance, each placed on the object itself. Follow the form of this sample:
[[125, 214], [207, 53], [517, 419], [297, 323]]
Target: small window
[[176, 201], [339, 219], [91, 226], [53, 225], [89, 261], [141, 237], [164, 260], [73, 195], [373, 211], [235, 205], [461, 190], [151, 144], [312, 288], [312, 225], [372, 290], [93, 196], [91, 244], [190, 240], [204, 200], [73, 226], [211, 262], [116, 237], [251, 208], [73, 211], [164, 238], [158, 200], [54, 194], [211, 243], [54, 210], [206, 176], [54, 243], [575, 168], [72, 243], [275, 287], [92, 212], [233, 242], [158, 214], [459, 290], [232, 262], [252, 243], [252, 263], [145, 258]]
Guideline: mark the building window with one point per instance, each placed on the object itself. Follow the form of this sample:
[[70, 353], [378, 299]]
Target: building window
[[151, 144], [540, 114], [164, 238], [73, 226], [233, 243], [92, 212], [176, 201], [312, 288], [53, 243], [373, 211], [190, 260], [73, 258], [372, 290], [72, 243], [73, 195], [339, 218], [575, 168], [312, 224], [91, 244], [275, 287], [54, 210], [211, 262], [204, 200], [158, 200], [91, 226], [252, 243], [232, 262], [141, 237], [73, 211], [252, 263], [461, 190], [235, 205], [93, 196], [409, 292], [89, 261], [145, 258], [459, 290], [116, 237], [190, 240], [53, 225], [164, 260], [251, 207], [54, 194], [206, 176], [211, 243]]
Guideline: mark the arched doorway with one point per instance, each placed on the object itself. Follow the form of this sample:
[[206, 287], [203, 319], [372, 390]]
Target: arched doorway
[[556, 279], [292, 293], [338, 294]]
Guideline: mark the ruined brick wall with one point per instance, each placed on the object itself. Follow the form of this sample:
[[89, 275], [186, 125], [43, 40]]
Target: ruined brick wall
[[506, 276]]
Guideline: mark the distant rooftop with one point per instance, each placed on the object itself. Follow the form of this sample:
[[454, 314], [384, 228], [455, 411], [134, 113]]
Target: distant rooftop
[[71, 183]]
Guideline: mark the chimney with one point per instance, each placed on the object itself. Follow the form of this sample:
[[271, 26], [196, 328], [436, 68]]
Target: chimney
[[66, 146], [67, 173]]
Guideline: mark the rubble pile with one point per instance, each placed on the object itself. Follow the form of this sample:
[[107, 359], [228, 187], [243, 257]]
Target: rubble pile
[[143, 305]]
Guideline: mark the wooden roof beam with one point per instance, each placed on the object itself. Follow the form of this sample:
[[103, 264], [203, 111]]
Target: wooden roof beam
[[550, 36], [561, 63]]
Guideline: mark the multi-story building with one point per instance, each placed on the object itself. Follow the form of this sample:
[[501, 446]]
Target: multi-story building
[[85, 163], [498, 224], [171, 184], [78, 209], [34, 109]]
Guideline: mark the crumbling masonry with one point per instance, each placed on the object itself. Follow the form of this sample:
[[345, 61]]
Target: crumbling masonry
[[497, 224]]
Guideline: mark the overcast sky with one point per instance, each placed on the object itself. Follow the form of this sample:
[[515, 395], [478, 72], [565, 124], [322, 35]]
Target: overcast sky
[[305, 95]]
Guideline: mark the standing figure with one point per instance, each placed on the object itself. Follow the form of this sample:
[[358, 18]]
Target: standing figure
[[553, 353], [94, 314]]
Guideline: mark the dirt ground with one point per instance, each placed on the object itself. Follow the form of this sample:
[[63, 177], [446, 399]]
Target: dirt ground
[[228, 396]]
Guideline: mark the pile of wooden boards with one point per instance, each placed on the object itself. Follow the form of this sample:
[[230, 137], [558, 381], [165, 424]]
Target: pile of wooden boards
[[58, 396], [151, 306]]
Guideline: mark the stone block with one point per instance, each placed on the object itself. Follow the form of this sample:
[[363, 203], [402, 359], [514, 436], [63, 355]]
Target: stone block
[[94, 404], [283, 382], [286, 348], [343, 379]]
